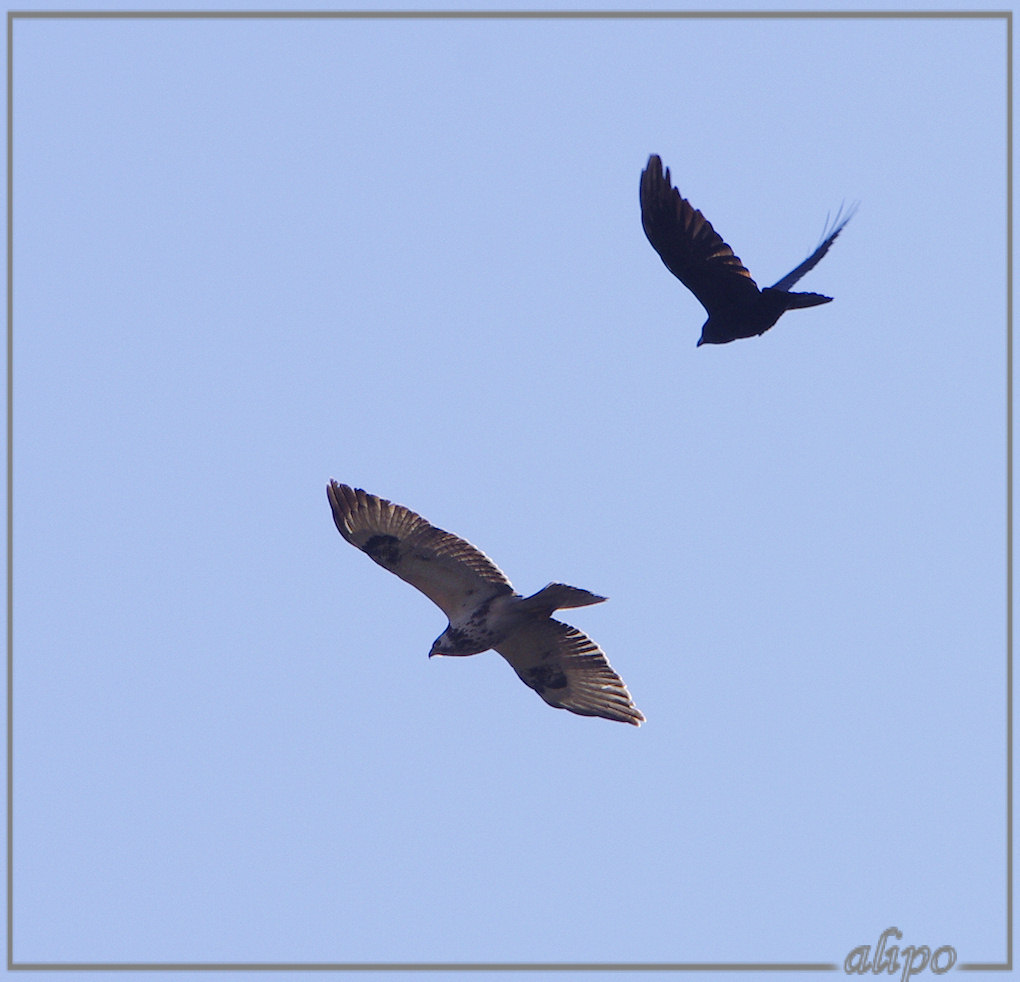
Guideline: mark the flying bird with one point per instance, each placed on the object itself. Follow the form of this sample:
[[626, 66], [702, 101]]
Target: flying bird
[[697, 256], [565, 667]]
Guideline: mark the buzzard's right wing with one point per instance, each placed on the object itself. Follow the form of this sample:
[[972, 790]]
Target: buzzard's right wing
[[452, 573], [569, 671]]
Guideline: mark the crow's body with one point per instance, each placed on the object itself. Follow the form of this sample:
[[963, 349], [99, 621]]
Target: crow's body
[[697, 256]]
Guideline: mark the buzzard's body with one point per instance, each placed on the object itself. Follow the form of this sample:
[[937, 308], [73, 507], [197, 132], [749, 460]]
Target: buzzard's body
[[697, 256], [566, 668]]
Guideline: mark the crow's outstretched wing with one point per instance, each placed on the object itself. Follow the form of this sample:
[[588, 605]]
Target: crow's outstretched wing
[[827, 239], [451, 572], [686, 242], [569, 671]]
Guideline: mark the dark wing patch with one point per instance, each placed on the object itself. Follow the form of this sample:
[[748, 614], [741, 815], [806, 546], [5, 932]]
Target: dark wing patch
[[451, 572], [384, 549], [688, 245], [569, 671], [542, 677]]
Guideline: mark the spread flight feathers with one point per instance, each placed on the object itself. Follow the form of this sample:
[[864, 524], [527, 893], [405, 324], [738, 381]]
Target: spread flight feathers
[[565, 667]]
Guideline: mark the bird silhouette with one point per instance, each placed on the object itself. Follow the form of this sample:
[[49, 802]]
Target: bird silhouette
[[697, 256]]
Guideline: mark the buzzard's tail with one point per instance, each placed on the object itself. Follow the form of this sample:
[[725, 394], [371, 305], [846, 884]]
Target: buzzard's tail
[[555, 596], [795, 300]]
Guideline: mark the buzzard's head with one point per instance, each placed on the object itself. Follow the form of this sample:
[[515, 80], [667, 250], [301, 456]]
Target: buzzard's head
[[454, 641]]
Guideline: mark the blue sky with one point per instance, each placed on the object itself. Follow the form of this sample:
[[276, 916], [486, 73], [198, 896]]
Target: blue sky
[[254, 255]]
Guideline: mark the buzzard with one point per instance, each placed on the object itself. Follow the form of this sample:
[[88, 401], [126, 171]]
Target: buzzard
[[697, 256], [566, 668]]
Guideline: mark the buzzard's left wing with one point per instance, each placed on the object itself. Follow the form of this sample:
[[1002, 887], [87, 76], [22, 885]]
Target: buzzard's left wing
[[569, 671], [452, 573]]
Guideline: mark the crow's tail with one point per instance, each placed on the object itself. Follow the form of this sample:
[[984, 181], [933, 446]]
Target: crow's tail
[[797, 300]]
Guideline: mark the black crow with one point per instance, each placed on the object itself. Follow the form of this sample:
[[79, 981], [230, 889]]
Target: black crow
[[697, 256]]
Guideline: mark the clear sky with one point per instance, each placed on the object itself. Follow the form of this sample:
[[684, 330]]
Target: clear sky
[[254, 255]]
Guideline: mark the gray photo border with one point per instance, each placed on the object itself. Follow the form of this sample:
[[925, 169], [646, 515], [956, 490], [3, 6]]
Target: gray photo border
[[13, 15]]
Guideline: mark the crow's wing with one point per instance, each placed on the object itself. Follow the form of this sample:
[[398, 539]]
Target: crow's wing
[[569, 671], [686, 242], [815, 258], [452, 573]]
